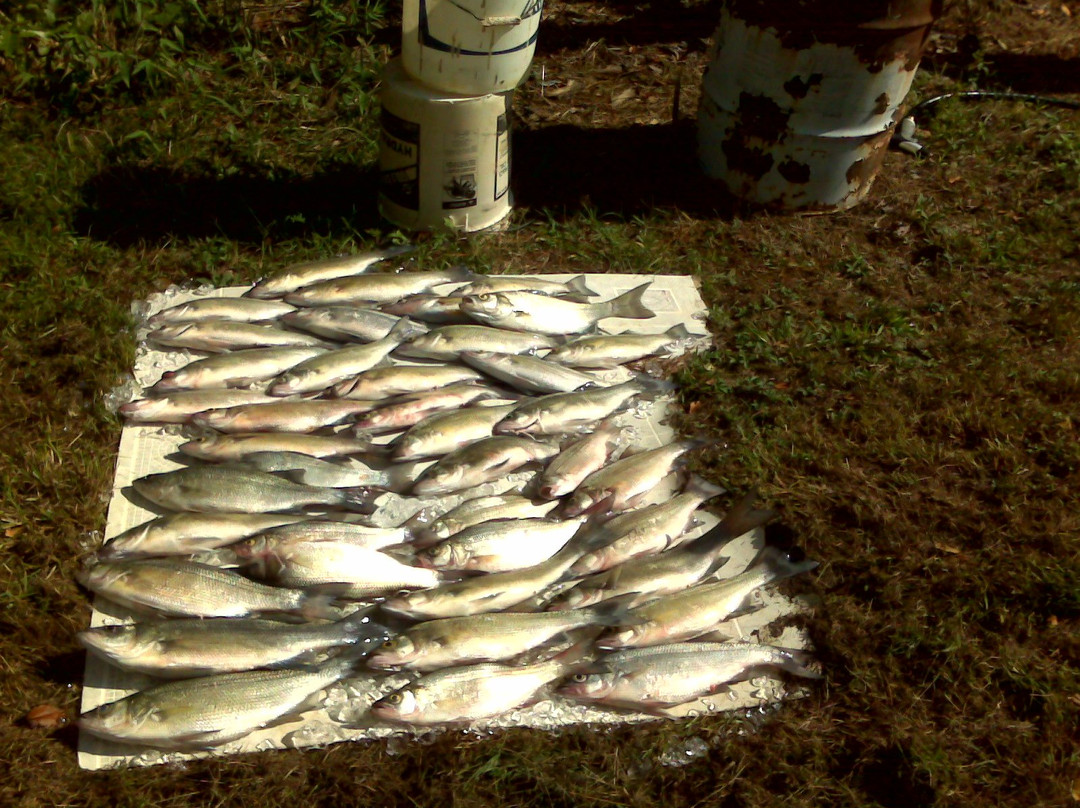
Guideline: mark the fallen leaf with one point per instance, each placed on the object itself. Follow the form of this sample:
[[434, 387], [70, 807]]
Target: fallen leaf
[[47, 716], [947, 548]]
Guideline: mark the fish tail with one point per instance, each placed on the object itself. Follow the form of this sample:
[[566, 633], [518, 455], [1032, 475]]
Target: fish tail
[[650, 388], [405, 330], [394, 251], [462, 274], [629, 304], [360, 629], [578, 285], [796, 661], [741, 518], [679, 331], [702, 488], [360, 499], [613, 611], [780, 565]]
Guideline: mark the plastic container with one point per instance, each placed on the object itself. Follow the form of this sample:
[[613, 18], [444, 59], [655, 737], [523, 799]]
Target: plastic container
[[469, 47], [442, 158], [801, 98]]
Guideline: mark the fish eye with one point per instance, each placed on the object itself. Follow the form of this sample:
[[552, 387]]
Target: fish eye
[[394, 698], [579, 678]]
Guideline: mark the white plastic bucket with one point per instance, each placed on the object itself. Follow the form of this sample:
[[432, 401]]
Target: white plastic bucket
[[442, 158], [469, 47]]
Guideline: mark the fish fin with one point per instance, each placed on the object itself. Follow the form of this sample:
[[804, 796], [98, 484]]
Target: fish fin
[[614, 611], [701, 487], [579, 285], [360, 629], [630, 305], [462, 274], [679, 331], [796, 661], [781, 565], [650, 388], [360, 499], [740, 519], [321, 603]]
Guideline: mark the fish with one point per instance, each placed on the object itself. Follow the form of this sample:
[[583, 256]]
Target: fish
[[469, 693], [575, 287], [238, 446], [269, 541], [608, 350], [491, 637], [572, 465], [342, 568], [382, 383], [541, 314], [234, 369], [179, 406], [659, 677], [501, 545], [493, 592], [215, 489], [282, 415], [186, 647], [647, 531], [343, 323], [699, 609], [296, 276], [234, 309], [413, 409], [483, 461], [429, 308], [375, 288], [556, 413], [626, 482], [668, 572], [440, 433], [529, 374], [326, 370], [449, 341], [217, 336], [208, 711], [338, 472], [188, 533], [480, 509], [176, 586]]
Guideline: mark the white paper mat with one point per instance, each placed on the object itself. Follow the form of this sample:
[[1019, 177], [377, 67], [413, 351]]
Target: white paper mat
[[144, 449]]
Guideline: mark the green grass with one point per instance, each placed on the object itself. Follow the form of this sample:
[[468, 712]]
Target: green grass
[[899, 380]]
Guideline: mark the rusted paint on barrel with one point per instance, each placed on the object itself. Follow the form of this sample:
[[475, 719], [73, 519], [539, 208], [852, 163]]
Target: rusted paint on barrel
[[801, 98]]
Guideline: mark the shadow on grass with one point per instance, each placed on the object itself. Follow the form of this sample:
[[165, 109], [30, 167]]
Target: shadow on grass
[[646, 24], [564, 169], [130, 204]]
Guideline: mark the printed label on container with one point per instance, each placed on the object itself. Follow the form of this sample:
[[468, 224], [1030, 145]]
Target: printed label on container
[[460, 151], [502, 157], [399, 161]]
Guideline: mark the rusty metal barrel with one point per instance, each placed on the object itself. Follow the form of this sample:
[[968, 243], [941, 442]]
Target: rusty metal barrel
[[801, 97]]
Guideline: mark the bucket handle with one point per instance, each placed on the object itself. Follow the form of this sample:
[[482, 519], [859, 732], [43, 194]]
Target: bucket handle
[[491, 22]]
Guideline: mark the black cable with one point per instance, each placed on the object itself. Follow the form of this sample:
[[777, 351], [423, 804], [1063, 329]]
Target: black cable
[[977, 94]]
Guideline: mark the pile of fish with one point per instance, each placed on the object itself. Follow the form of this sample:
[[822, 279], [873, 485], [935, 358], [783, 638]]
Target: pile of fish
[[333, 389]]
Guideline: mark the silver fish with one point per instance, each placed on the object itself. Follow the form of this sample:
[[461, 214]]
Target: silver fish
[[296, 276], [328, 369], [442, 432], [344, 568], [569, 412], [179, 406], [188, 533], [185, 647], [651, 679], [234, 369], [342, 323], [449, 341], [485, 460], [572, 465], [483, 637], [338, 472], [609, 350], [480, 509], [701, 608], [501, 546], [626, 482], [214, 489], [468, 693], [529, 374], [383, 383], [412, 409], [282, 415], [175, 586], [541, 314], [667, 572], [575, 287], [235, 309], [210, 710], [375, 288], [239, 446], [429, 308], [222, 335], [273, 540]]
